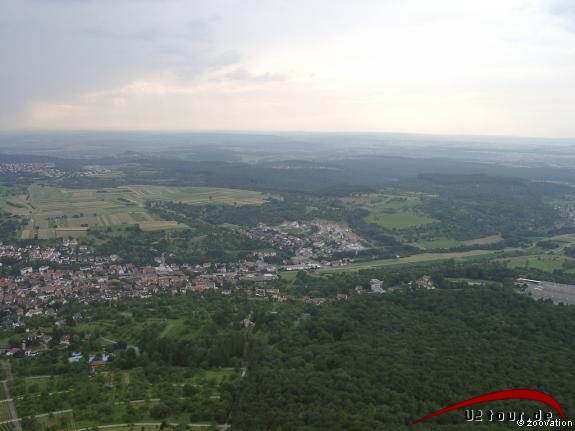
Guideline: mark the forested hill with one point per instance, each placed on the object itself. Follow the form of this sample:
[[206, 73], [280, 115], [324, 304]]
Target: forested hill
[[471, 206], [328, 177]]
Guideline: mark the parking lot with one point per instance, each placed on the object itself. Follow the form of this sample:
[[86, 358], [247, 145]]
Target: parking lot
[[558, 293]]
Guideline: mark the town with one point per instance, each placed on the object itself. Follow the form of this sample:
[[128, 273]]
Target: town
[[51, 276]]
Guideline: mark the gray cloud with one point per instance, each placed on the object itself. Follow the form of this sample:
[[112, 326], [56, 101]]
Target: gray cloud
[[60, 48], [563, 7], [565, 11]]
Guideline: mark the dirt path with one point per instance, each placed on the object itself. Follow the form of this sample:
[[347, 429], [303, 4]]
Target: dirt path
[[16, 422]]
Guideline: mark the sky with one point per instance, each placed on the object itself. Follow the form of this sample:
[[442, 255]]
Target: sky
[[489, 67]]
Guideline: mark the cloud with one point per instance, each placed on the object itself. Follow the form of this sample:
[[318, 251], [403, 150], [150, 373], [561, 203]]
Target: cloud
[[58, 49], [408, 65], [563, 7], [564, 10], [242, 74]]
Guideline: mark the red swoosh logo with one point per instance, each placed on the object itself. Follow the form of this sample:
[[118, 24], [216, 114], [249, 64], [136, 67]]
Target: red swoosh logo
[[517, 394]]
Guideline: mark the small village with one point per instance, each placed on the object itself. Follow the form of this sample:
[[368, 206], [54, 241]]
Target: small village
[[316, 243], [45, 169]]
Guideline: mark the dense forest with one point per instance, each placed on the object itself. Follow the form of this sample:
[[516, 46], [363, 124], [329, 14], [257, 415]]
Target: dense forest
[[328, 177], [473, 206], [382, 362]]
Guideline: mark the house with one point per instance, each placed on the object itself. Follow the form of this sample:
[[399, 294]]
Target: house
[[15, 352], [247, 323], [376, 285], [75, 357], [27, 270], [425, 282], [273, 291]]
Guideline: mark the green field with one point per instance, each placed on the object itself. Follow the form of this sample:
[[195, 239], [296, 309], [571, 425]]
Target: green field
[[451, 243], [491, 239], [439, 243], [392, 210], [37, 384], [542, 262], [57, 212]]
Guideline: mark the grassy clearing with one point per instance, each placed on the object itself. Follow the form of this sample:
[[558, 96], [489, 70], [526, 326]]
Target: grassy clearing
[[38, 383], [217, 375], [57, 212], [396, 211], [542, 262], [392, 211], [492, 239], [439, 243], [451, 243], [149, 226], [566, 238], [289, 275], [174, 328]]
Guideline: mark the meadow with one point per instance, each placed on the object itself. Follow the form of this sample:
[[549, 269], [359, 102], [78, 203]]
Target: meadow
[[392, 211], [54, 212], [543, 262]]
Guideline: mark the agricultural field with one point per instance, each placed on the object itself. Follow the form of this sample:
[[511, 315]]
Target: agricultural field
[[54, 212]]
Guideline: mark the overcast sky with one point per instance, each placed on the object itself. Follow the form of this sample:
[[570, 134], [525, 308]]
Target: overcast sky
[[498, 67]]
